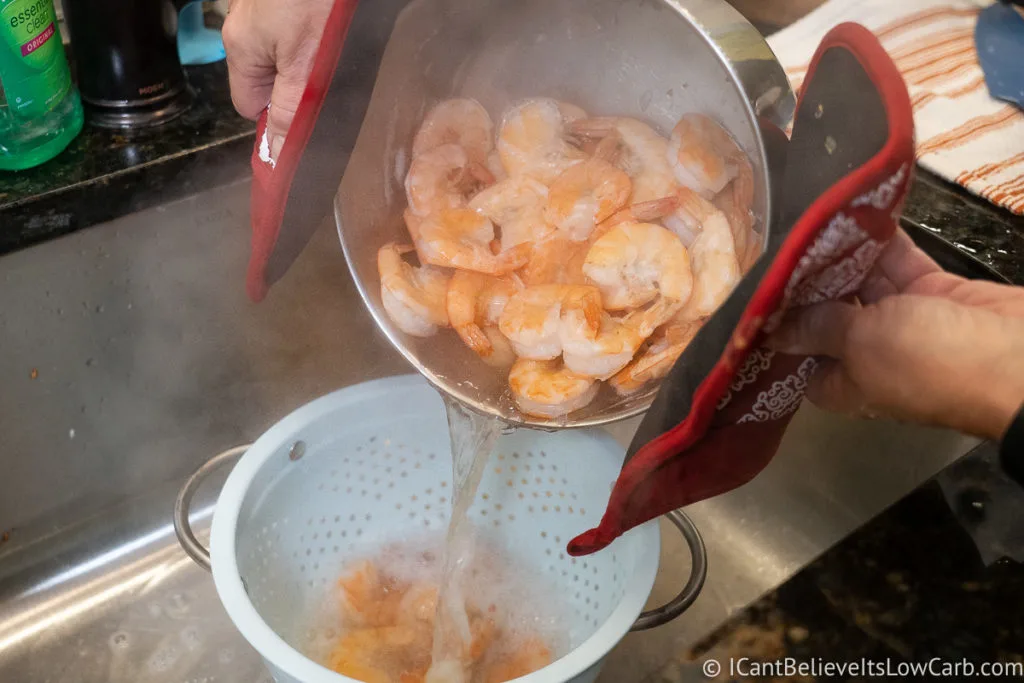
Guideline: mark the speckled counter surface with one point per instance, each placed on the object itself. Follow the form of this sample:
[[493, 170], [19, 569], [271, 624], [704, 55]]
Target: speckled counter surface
[[908, 588], [981, 230], [104, 174]]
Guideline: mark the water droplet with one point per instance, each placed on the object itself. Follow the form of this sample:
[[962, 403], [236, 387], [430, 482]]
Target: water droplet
[[191, 638], [645, 100], [120, 641]]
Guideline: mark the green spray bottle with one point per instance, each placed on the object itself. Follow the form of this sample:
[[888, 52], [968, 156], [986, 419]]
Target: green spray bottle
[[40, 111]]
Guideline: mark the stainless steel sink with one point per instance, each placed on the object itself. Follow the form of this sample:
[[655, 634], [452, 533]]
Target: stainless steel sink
[[129, 355]]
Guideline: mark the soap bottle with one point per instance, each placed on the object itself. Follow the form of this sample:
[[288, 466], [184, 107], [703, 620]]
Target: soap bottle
[[40, 111]]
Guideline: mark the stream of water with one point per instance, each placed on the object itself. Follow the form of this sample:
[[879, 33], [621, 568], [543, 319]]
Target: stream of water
[[472, 439]]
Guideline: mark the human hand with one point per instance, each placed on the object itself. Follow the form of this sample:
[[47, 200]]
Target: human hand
[[920, 344], [271, 45]]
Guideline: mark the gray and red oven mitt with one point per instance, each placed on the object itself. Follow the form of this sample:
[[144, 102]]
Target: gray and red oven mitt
[[849, 164], [721, 412]]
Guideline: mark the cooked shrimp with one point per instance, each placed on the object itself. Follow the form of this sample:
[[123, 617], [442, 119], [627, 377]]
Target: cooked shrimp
[[414, 298], [664, 348], [383, 654], [634, 262], [460, 121], [358, 656], [476, 301], [548, 389], [532, 319], [556, 260], [368, 597], [644, 212], [736, 202], [585, 194], [443, 178], [637, 149], [716, 271], [533, 141], [617, 340], [703, 156], [571, 112], [495, 166], [531, 656], [515, 204], [419, 604], [461, 238]]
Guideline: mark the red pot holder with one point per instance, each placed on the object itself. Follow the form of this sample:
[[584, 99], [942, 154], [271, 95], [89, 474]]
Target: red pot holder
[[318, 139], [849, 165]]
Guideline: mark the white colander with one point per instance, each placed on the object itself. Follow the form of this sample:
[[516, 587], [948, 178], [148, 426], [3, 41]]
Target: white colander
[[370, 464]]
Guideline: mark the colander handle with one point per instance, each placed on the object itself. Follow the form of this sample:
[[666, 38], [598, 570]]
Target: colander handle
[[199, 553], [698, 572]]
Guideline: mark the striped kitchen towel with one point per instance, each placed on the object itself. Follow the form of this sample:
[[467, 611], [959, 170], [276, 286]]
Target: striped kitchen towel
[[963, 134]]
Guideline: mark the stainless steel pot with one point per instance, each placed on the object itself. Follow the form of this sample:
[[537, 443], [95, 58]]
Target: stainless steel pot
[[650, 59]]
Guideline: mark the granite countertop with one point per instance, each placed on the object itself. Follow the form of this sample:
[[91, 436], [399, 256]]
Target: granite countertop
[[104, 174], [910, 585]]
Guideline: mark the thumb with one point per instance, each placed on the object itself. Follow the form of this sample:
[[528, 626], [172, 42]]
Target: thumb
[[817, 330], [284, 102]]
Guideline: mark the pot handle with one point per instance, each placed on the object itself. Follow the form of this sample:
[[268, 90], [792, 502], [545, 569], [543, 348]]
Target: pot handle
[[183, 503], [698, 572]]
